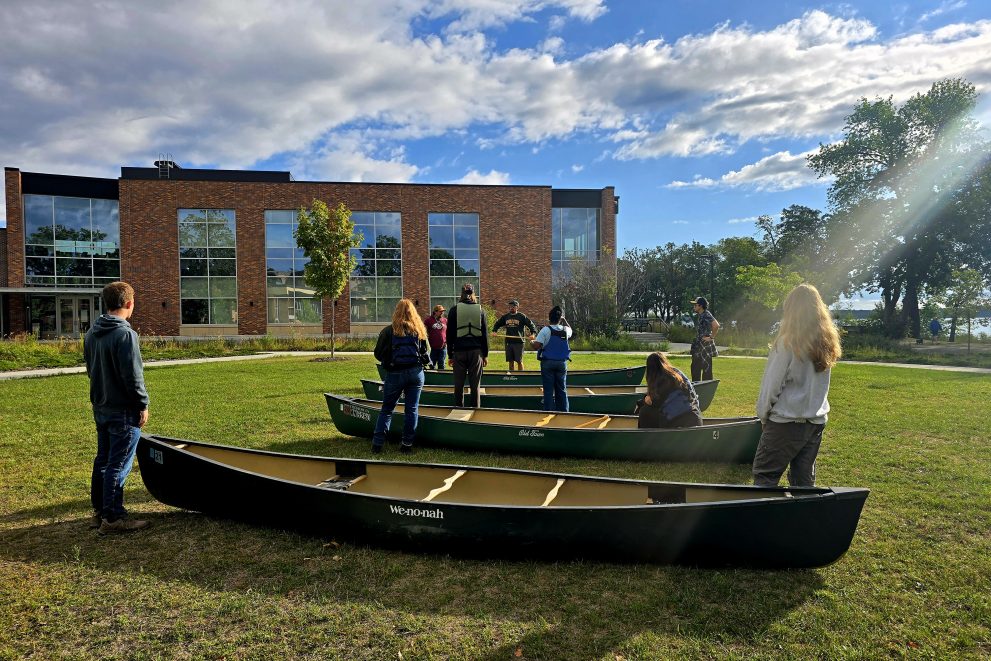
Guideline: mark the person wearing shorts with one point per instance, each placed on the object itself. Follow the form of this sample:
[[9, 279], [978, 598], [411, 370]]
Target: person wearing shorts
[[516, 324]]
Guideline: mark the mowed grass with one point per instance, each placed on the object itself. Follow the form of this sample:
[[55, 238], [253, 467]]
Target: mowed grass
[[916, 581]]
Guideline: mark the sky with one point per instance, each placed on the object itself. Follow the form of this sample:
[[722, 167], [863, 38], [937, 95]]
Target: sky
[[699, 113]]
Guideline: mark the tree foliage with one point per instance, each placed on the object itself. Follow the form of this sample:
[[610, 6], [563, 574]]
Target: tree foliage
[[767, 285], [326, 236]]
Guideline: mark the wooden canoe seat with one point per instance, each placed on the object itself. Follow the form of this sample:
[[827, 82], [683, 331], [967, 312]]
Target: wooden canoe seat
[[543, 422], [464, 415], [448, 483], [341, 483], [589, 391], [600, 421], [552, 494]]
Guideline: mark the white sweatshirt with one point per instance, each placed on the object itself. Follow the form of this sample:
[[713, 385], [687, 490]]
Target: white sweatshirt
[[791, 390]]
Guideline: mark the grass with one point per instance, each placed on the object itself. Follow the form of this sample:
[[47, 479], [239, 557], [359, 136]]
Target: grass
[[915, 582]]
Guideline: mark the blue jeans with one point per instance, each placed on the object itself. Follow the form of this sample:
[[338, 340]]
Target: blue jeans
[[117, 435], [554, 375], [407, 383], [437, 357]]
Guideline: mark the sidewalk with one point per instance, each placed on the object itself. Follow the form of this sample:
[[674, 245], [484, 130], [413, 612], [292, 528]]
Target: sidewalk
[[675, 349]]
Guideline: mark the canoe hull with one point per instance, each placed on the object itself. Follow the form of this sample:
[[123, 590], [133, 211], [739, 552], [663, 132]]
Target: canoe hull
[[618, 404], [732, 442], [623, 376], [799, 532]]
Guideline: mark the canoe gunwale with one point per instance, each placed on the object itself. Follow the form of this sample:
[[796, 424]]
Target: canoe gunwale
[[778, 500], [735, 422]]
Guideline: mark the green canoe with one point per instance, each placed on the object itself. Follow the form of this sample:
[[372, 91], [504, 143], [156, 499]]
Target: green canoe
[[620, 400], [617, 376], [729, 440]]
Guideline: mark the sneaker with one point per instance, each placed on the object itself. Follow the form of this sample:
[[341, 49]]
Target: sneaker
[[376, 449], [406, 449], [121, 525], [95, 520]]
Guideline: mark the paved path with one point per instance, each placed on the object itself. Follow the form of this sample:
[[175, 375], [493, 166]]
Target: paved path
[[674, 348]]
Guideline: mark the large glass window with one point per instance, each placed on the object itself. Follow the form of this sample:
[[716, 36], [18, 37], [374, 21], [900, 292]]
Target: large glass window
[[575, 234], [377, 280], [453, 256], [71, 241], [207, 266], [289, 299]]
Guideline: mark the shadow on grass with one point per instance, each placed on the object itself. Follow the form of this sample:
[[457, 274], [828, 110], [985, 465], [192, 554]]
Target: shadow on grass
[[577, 607]]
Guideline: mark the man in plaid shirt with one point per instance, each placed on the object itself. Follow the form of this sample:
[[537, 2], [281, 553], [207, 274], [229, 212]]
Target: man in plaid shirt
[[703, 346]]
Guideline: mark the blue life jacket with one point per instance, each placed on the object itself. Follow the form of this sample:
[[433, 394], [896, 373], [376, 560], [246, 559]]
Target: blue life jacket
[[405, 351], [679, 402], [557, 347]]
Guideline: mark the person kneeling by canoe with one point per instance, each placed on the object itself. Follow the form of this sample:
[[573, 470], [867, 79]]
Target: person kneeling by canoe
[[402, 350], [671, 400]]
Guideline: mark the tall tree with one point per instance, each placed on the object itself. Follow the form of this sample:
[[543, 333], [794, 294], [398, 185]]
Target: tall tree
[[895, 225], [326, 236]]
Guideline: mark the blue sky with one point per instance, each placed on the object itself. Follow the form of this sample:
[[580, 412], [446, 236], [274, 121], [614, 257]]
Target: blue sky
[[699, 113]]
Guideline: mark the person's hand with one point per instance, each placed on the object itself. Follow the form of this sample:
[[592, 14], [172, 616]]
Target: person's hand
[[450, 362], [706, 337], [648, 401], [143, 420], [485, 362]]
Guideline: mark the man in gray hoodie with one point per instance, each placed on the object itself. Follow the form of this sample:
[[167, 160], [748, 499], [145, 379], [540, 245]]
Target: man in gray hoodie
[[120, 406]]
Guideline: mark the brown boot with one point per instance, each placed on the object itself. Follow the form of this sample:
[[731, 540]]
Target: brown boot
[[95, 520], [121, 525]]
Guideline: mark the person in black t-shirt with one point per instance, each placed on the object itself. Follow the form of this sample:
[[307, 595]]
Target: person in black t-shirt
[[516, 324]]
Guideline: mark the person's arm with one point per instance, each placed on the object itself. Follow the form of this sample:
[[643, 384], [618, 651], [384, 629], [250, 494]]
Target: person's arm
[[485, 342], [538, 342], [530, 325], [132, 372], [714, 327], [500, 322], [383, 347], [772, 382]]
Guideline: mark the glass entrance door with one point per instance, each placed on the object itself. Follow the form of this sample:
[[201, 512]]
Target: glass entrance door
[[67, 322], [75, 314]]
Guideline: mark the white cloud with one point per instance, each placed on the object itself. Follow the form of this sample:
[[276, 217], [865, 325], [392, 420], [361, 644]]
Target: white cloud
[[492, 178], [577, 167], [231, 84], [738, 221], [945, 7], [679, 222], [777, 172]]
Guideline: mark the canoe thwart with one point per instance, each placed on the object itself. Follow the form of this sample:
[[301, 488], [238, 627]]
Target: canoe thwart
[[448, 483], [339, 483], [464, 415], [543, 422], [552, 494], [600, 421]]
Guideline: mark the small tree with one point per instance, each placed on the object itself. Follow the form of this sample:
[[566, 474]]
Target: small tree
[[766, 285], [965, 295], [326, 237]]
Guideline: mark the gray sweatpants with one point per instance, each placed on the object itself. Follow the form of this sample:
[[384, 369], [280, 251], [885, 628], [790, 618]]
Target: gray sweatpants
[[787, 443]]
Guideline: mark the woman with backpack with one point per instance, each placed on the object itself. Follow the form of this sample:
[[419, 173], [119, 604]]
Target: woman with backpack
[[402, 350], [670, 400]]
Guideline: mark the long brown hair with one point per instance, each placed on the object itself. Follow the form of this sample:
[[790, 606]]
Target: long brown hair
[[468, 294], [406, 320], [662, 378], [807, 328]]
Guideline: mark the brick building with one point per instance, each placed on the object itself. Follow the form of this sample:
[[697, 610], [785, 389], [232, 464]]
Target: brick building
[[210, 252]]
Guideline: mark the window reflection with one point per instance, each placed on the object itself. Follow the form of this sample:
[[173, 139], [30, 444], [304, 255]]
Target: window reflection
[[207, 266], [289, 299], [454, 259], [376, 282], [574, 234], [70, 241]]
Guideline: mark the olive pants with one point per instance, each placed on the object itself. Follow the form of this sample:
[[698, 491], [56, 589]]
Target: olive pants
[[784, 444]]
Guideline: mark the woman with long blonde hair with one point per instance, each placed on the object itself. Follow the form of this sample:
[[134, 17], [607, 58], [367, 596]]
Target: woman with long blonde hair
[[402, 350], [793, 402]]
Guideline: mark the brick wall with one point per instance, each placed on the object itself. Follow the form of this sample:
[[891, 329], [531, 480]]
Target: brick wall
[[15, 248], [514, 233], [608, 224], [3, 256]]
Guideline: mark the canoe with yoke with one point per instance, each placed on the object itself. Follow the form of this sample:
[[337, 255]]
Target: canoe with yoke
[[729, 440], [621, 400], [618, 376], [504, 512]]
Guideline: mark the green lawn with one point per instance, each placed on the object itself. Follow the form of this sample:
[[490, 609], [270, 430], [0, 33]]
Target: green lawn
[[916, 581]]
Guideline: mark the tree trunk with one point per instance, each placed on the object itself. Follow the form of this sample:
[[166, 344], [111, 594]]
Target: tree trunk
[[910, 309], [333, 327], [953, 327]]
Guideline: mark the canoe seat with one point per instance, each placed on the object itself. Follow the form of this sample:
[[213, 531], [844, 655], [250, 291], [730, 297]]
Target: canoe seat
[[552, 494], [589, 391], [543, 422], [448, 483], [464, 415]]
